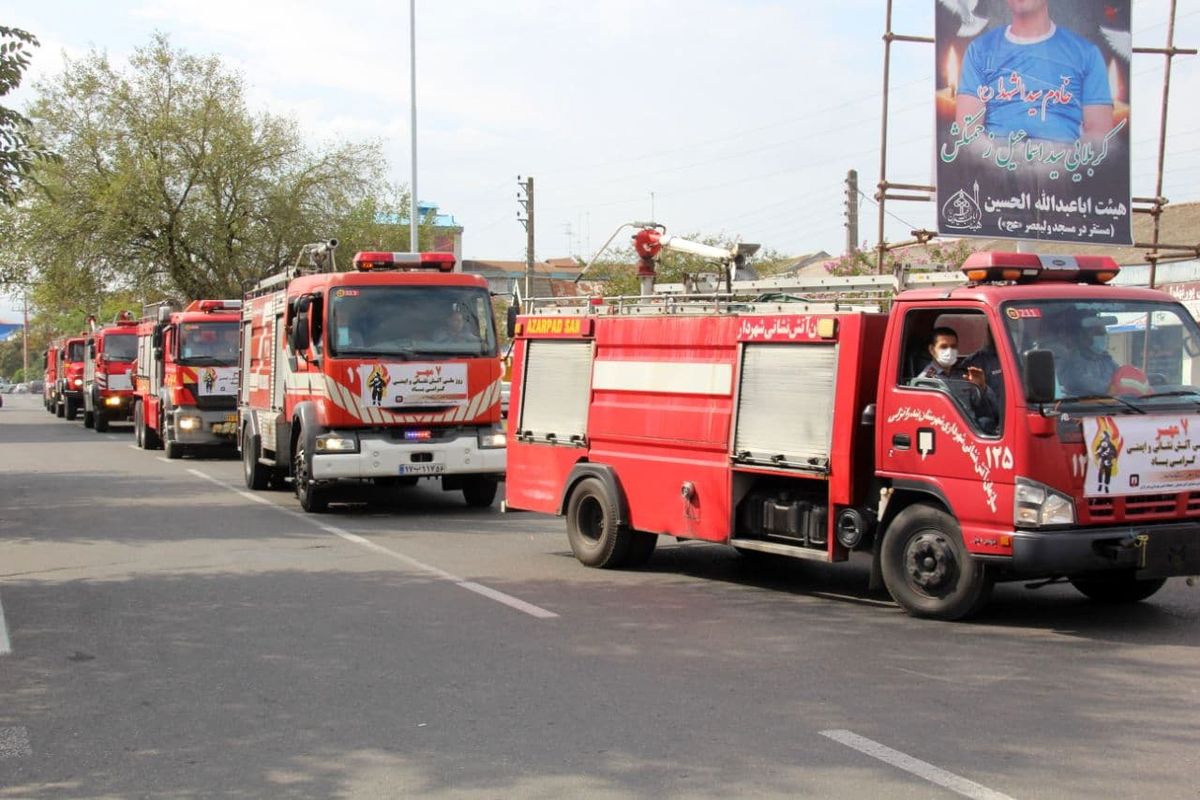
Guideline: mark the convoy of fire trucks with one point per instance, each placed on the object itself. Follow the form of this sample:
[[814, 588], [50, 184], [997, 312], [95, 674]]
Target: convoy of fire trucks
[[791, 418]]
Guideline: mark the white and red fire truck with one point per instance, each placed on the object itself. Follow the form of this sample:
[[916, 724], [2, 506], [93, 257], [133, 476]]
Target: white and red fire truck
[[187, 377], [50, 396], [108, 373], [812, 429], [387, 373]]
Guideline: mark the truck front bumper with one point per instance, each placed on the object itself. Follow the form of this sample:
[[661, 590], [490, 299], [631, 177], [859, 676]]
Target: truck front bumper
[[380, 456], [193, 426], [1153, 551]]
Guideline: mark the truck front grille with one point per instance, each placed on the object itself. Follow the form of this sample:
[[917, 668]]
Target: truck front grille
[[1143, 507]]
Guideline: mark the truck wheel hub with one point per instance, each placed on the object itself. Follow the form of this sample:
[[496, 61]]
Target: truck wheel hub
[[931, 563]]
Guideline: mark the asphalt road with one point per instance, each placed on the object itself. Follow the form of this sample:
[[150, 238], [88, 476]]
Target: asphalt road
[[166, 634]]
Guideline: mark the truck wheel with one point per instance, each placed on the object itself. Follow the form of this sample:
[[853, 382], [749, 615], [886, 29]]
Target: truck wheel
[[479, 492], [313, 499], [150, 439], [257, 475], [89, 418], [171, 448], [596, 538], [1117, 587], [72, 410], [101, 420], [926, 568], [641, 547]]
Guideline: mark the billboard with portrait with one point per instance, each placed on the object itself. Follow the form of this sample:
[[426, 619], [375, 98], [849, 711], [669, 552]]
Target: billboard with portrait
[[1032, 119]]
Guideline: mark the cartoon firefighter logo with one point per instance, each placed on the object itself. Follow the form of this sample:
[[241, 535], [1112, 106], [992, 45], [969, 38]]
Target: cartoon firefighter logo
[[210, 379], [378, 381], [1106, 451]]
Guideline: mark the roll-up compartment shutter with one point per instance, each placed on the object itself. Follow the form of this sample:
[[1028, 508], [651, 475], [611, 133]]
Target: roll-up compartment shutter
[[785, 405], [558, 383]]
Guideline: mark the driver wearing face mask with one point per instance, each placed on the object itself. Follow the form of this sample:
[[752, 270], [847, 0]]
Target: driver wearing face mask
[[1088, 369], [943, 348]]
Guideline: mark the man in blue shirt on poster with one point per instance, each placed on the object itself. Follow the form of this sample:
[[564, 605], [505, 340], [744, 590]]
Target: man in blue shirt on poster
[[1036, 77]]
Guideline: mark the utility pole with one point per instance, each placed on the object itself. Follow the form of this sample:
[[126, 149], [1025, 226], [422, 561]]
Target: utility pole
[[25, 337], [852, 212], [413, 210], [526, 202]]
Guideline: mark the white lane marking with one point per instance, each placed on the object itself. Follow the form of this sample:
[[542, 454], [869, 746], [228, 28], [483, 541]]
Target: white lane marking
[[915, 766], [133, 447], [485, 591], [164, 460], [508, 600], [5, 642], [14, 743]]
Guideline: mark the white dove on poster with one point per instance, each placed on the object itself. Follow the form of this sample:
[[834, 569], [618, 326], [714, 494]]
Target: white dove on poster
[[1120, 41], [965, 10]]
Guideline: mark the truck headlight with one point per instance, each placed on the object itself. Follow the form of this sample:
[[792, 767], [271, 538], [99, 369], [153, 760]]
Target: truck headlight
[[491, 438], [337, 442], [79, 381], [115, 400], [1036, 505], [189, 423]]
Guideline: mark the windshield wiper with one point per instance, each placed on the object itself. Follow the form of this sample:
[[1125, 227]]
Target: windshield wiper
[[1110, 398], [402, 355], [1173, 393], [215, 361]]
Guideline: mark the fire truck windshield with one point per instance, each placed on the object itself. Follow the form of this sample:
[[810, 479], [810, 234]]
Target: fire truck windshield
[[1145, 354], [120, 346], [212, 343], [75, 351], [411, 321]]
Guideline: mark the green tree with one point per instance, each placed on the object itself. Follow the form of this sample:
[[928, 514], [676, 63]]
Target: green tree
[[18, 151], [169, 185]]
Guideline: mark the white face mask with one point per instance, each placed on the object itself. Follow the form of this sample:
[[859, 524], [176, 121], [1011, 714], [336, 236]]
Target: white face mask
[[1099, 343], [946, 356]]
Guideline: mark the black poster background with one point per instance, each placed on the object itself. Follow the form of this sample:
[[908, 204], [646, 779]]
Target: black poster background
[[1013, 186]]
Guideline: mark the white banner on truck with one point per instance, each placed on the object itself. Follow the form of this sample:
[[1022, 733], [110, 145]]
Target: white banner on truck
[[1152, 454]]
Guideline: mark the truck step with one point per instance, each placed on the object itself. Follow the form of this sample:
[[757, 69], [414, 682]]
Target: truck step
[[779, 549]]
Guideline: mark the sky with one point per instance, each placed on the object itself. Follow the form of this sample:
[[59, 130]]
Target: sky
[[734, 116]]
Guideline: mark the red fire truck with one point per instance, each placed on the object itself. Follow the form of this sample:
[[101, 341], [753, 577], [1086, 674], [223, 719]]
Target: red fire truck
[[50, 397], [387, 373], [813, 429], [70, 377], [187, 376], [108, 373]]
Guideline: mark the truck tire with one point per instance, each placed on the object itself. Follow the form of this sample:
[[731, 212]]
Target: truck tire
[[641, 547], [101, 420], [1117, 587], [257, 475], [171, 448], [89, 418], [150, 438], [479, 492], [926, 568], [72, 409], [313, 499], [596, 538]]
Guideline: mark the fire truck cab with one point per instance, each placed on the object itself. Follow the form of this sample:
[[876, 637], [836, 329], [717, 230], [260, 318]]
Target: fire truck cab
[[387, 373], [108, 357], [70, 377], [1055, 443], [187, 377]]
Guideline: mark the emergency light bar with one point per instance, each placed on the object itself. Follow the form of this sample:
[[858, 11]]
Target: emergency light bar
[[214, 306], [367, 261], [992, 267]]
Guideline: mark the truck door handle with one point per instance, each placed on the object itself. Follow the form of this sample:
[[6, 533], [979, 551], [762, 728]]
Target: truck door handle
[[902, 441]]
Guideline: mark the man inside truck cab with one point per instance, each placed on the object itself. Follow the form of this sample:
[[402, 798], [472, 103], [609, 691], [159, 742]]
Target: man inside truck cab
[[1088, 368], [982, 402]]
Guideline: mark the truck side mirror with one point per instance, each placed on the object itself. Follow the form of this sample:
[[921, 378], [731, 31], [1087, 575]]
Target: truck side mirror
[[300, 332], [1039, 376], [511, 322]]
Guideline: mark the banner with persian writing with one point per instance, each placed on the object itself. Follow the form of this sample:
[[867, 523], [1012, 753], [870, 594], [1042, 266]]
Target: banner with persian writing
[[1151, 454], [1032, 120]]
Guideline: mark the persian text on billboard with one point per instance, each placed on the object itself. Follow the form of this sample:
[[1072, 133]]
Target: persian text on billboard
[[1032, 119]]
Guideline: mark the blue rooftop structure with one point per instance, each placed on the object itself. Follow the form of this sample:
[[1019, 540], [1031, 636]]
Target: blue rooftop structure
[[440, 220]]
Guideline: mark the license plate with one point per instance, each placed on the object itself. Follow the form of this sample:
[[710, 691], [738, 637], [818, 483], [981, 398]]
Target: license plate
[[422, 469], [224, 428], [231, 417]]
